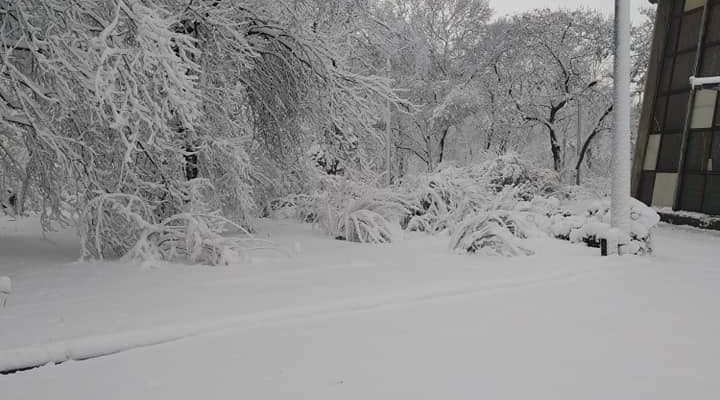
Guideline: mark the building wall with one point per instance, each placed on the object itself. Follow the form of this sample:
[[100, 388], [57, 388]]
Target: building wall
[[678, 151]]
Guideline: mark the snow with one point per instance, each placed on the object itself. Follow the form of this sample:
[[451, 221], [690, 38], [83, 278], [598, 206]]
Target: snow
[[5, 285], [345, 320], [696, 81]]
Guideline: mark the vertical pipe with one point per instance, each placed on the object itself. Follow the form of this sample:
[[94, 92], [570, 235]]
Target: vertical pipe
[[620, 213]]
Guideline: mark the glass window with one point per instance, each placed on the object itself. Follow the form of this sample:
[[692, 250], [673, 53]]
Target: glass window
[[703, 109], [664, 190], [684, 68], [714, 161], [669, 155], [691, 195], [711, 203], [698, 151], [659, 115], [651, 152], [710, 65], [693, 4], [645, 189], [676, 112], [689, 31], [713, 29]]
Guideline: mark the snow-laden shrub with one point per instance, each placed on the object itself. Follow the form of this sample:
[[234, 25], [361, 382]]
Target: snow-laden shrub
[[347, 210], [361, 224], [361, 213], [438, 196], [594, 225], [297, 206], [125, 226], [509, 170], [535, 215], [491, 233], [445, 197]]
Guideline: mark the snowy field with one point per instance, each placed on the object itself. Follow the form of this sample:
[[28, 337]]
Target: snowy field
[[336, 320]]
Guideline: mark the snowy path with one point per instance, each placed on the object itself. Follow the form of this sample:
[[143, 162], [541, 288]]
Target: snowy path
[[339, 320]]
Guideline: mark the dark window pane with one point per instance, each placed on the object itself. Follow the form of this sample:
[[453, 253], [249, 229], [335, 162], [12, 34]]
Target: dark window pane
[[698, 151], [645, 189], [710, 65], [669, 152], [672, 36], [691, 195], [711, 203], [715, 153], [659, 115], [689, 31], [713, 29], [676, 111], [684, 68]]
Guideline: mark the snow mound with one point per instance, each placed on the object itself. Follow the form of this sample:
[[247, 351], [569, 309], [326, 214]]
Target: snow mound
[[594, 226]]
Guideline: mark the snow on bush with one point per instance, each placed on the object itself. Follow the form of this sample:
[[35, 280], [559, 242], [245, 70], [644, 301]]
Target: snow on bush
[[437, 197], [125, 226], [297, 206], [347, 210], [492, 233], [510, 171], [445, 197], [594, 225]]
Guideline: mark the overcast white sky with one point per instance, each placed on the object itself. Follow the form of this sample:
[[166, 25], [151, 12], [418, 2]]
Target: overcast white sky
[[503, 7]]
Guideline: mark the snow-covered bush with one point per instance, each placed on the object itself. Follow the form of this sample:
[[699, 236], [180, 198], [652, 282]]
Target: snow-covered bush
[[509, 170], [491, 233], [593, 225], [297, 206], [348, 210], [443, 198], [360, 224], [117, 225], [438, 196]]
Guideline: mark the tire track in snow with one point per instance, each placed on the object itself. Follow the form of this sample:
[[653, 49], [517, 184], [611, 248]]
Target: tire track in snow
[[29, 357]]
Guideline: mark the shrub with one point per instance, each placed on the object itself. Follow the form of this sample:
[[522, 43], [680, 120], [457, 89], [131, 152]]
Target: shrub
[[120, 225], [346, 210], [491, 233], [443, 198], [594, 225]]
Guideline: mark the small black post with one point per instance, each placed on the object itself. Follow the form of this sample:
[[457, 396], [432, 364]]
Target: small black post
[[603, 247]]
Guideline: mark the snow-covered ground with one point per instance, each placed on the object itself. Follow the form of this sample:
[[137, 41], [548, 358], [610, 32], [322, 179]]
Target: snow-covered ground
[[337, 320]]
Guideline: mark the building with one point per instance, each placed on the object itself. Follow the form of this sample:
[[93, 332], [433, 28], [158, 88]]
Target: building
[[677, 162]]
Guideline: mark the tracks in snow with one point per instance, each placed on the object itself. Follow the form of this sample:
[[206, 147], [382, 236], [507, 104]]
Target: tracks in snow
[[25, 358]]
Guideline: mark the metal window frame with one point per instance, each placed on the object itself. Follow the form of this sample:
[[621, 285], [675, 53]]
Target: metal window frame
[[691, 105]]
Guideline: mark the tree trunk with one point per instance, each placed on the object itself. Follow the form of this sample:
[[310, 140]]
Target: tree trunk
[[556, 151], [442, 145]]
